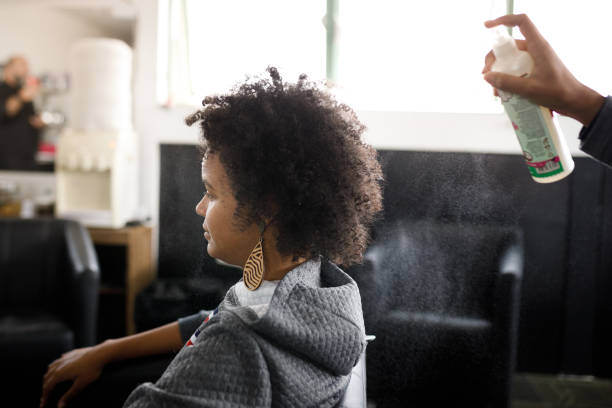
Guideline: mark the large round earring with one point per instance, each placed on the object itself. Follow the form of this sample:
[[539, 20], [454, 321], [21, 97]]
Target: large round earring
[[253, 271]]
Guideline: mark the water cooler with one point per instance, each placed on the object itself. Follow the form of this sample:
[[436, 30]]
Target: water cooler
[[96, 161]]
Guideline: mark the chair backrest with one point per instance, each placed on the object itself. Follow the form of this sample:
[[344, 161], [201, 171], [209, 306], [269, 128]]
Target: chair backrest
[[432, 267], [33, 258], [443, 308], [49, 266]]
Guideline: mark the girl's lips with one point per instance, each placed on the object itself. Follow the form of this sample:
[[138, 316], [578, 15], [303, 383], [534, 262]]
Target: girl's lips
[[206, 235]]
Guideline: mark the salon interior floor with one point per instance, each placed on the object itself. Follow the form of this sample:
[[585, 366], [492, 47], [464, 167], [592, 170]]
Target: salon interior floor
[[552, 391]]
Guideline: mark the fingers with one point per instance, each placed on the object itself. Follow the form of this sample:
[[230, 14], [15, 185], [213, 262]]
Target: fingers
[[523, 22], [490, 57], [51, 369], [36, 122], [69, 394], [489, 60], [50, 380], [46, 389], [48, 386], [508, 83]]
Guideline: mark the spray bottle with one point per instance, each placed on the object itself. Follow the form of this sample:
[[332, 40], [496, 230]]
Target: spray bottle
[[544, 147]]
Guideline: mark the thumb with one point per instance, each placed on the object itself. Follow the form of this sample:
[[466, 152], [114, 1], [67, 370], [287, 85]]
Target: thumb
[[74, 390], [508, 83]]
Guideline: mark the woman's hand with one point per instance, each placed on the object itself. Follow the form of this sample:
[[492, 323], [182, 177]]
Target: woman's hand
[[550, 83], [29, 90], [82, 366], [36, 122]]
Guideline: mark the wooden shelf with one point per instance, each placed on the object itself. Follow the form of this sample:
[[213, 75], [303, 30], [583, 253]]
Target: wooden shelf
[[139, 264]]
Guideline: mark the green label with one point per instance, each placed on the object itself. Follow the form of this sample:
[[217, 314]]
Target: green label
[[533, 135]]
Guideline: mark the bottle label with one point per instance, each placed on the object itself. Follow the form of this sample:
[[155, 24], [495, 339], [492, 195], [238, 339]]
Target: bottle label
[[533, 134]]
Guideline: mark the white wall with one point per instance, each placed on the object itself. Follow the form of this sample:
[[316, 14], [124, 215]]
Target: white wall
[[459, 132], [42, 33]]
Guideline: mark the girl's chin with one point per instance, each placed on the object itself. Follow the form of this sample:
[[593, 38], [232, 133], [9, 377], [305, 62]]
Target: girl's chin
[[220, 258]]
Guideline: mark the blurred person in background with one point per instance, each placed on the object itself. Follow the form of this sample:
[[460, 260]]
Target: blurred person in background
[[19, 124]]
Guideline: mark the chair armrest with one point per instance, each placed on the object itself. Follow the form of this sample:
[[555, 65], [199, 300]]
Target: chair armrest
[[85, 278], [511, 260], [355, 394], [508, 283], [507, 310]]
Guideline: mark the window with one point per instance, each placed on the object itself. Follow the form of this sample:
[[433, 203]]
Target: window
[[579, 31], [419, 56], [391, 55], [214, 44]]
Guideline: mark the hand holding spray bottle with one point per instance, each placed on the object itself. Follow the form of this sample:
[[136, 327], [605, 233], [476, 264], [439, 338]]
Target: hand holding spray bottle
[[544, 147]]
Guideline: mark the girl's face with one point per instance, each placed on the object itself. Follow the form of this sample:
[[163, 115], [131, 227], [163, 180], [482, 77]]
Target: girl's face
[[226, 241]]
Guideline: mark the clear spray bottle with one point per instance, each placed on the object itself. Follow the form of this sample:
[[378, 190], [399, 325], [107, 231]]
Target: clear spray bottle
[[544, 147]]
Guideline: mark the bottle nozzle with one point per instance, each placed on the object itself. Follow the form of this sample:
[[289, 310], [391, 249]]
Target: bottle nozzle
[[503, 43]]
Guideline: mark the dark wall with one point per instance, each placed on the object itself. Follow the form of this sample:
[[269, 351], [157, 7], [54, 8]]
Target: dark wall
[[180, 228], [566, 304], [182, 247]]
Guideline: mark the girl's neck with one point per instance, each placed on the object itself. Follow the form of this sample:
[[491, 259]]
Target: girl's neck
[[277, 266]]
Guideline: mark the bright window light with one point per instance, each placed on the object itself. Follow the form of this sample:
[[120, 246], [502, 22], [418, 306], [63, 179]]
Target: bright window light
[[419, 56], [229, 39], [579, 31], [415, 56], [427, 56]]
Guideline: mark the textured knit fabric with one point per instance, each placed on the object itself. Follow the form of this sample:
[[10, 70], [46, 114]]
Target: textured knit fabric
[[189, 324], [258, 300], [596, 139], [298, 354]]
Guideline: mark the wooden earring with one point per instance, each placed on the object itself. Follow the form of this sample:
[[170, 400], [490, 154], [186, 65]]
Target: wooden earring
[[253, 271]]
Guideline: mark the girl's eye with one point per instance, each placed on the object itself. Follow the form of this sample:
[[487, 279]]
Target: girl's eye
[[207, 194]]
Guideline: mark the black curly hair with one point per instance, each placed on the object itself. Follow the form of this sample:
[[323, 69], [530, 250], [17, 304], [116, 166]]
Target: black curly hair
[[299, 147]]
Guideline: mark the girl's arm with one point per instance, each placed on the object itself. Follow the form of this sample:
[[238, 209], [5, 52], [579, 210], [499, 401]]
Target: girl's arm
[[84, 365]]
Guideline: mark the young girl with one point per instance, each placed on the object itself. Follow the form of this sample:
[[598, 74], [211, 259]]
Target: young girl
[[291, 191]]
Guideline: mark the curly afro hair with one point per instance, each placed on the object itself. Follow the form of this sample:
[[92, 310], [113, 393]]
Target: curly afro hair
[[295, 145]]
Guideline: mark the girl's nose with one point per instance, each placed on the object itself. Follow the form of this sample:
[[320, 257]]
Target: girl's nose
[[201, 207]]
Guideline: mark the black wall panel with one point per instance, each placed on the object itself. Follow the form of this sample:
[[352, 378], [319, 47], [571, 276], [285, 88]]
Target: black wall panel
[[182, 247]]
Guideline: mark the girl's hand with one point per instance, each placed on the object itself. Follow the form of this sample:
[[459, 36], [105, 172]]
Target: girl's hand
[[82, 366]]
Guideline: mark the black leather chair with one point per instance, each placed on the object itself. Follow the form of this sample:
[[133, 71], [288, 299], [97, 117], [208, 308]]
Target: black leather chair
[[49, 279], [443, 302]]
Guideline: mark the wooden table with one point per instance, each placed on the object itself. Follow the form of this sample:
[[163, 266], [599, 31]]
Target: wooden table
[[139, 265]]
